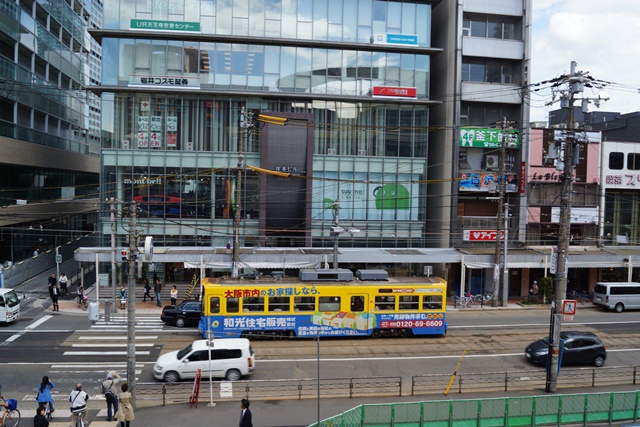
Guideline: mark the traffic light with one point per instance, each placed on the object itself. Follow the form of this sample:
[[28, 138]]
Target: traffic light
[[124, 255]]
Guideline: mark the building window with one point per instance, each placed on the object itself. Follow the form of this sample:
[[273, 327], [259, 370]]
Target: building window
[[616, 161], [491, 26], [487, 71], [633, 161]]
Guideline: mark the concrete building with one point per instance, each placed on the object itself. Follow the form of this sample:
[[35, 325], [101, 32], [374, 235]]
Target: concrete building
[[50, 149]]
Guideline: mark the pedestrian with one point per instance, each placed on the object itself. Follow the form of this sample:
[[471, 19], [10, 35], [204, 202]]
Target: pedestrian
[[52, 281], [125, 415], [78, 399], [36, 252], [55, 294], [63, 283], [44, 394], [157, 289], [172, 273], [123, 298], [245, 415], [109, 387], [40, 420], [147, 289], [174, 295]]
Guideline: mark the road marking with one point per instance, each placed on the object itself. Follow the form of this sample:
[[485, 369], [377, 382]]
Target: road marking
[[111, 345], [120, 337], [27, 329], [103, 353], [522, 325], [453, 356]]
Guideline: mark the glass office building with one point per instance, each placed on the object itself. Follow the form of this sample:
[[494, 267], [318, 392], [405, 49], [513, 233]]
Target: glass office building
[[352, 78]]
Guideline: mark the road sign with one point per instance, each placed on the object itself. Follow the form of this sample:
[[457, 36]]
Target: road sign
[[569, 307], [58, 259]]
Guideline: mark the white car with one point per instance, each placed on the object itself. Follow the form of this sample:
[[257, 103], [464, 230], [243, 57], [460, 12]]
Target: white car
[[231, 358]]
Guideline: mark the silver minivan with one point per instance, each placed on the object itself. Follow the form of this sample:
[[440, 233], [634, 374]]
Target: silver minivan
[[228, 358], [618, 296]]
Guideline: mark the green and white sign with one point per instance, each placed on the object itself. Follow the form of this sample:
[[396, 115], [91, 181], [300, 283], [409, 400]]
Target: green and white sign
[[488, 138], [150, 24]]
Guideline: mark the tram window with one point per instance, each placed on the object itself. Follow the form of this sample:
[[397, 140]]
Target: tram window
[[233, 305], [385, 303], [279, 303], [357, 303], [329, 304], [432, 302], [304, 304], [253, 304], [409, 302], [214, 305]]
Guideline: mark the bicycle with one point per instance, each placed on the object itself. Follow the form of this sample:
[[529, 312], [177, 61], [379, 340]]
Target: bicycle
[[83, 302], [11, 415], [581, 297]]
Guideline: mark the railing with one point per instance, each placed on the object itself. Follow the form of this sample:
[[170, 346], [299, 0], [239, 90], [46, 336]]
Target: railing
[[523, 380], [150, 394], [585, 409]]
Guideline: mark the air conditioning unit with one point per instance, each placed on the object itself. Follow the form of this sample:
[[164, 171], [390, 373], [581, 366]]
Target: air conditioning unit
[[491, 162], [332, 151]]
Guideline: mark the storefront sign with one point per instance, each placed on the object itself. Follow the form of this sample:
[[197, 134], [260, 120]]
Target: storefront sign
[[150, 24], [578, 215], [481, 235], [145, 80], [143, 140], [142, 181], [172, 123], [172, 140], [488, 138], [143, 124], [401, 39], [627, 180], [398, 92]]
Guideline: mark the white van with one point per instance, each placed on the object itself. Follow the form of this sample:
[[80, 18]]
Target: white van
[[231, 358], [617, 296], [9, 305]]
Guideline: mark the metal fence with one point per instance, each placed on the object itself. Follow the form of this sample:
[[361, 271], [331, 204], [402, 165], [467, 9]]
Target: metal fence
[[148, 394], [523, 380]]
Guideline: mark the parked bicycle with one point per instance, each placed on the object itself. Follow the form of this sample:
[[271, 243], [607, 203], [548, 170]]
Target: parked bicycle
[[582, 297], [10, 416]]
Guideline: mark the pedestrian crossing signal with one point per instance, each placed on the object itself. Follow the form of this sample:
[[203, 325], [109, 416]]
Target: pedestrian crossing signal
[[124, 255]]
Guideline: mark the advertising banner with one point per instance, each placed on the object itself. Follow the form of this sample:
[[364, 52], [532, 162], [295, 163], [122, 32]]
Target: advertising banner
[[486, 182]]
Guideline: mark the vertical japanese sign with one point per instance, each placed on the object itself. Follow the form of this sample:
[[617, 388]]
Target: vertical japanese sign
[[172, 128]]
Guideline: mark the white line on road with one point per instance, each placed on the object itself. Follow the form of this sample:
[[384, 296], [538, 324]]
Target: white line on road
[[120, 337], [110, 345], [522, 325], [28, 328], [103, 353]]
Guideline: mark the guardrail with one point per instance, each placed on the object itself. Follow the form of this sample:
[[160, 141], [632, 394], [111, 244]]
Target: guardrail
[[523, 380], [149, 394]]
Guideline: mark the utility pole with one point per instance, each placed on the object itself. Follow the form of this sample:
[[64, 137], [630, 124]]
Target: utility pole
[[499, 282], [336, 232], [131, 301], [570, 157], [114, 269], [244, 125]]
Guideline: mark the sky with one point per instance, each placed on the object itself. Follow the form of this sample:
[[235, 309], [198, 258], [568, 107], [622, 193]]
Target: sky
[[602, 36]]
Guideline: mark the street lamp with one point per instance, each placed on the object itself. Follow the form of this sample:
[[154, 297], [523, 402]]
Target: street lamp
[[336, 231]]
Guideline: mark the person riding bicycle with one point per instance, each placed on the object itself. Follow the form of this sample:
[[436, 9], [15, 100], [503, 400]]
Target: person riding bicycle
[[123, 297], [44, 394], [80, 292], [78, 399]]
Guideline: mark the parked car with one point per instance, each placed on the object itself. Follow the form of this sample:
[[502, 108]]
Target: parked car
[[579, 348], [183, 314], [228, 358]]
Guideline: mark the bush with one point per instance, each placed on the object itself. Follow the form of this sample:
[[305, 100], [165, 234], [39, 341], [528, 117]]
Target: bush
[[545, 286]]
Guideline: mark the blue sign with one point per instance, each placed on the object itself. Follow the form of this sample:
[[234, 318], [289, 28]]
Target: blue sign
[[403, 39]]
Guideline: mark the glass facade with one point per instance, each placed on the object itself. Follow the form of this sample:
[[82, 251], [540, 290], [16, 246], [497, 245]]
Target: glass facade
[[350, 21], [172, 125]]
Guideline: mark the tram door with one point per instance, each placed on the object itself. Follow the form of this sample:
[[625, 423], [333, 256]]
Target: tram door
[[358, 305]]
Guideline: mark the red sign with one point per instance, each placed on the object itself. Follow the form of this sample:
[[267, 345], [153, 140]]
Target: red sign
[[481, 235], [523, 175], [172, 140], [401, 92], [569, 307]]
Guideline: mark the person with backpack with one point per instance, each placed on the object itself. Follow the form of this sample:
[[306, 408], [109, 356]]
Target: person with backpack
[[109, 387]]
